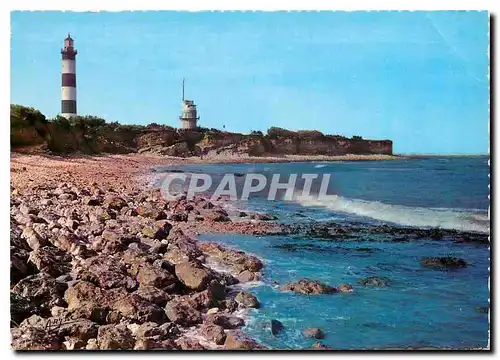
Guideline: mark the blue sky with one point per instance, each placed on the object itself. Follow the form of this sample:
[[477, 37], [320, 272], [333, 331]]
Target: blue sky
[[417, 78]]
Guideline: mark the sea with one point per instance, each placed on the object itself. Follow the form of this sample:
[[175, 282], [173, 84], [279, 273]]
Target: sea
[[420, 307]]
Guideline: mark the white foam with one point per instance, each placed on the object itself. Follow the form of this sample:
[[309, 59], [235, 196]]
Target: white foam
[[457, 219]]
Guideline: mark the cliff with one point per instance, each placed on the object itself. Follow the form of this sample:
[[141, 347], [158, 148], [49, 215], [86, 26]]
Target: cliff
[[92, 135]]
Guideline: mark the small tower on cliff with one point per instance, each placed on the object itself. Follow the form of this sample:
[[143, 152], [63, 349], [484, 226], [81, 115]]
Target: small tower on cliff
[[189, 114], [68, 86]]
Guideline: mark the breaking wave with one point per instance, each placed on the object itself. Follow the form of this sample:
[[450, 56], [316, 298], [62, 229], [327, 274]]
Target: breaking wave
[[454, 219]]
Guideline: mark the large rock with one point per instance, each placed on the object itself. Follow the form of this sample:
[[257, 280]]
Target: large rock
[[137, 309], [315, 333], [193, 275], [107, 272], [33, 238], [115, 337], [443, 263], [32, 338], [182, 313], [224, 320], [213, 333], [238, 261], [51, 260], [276, 327], [308, 287], [247, 300], [379, 281], [237, 340], [42, 291], [150, 275], [154, 295]]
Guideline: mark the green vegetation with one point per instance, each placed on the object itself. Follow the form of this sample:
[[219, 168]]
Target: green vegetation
[[92, 134]]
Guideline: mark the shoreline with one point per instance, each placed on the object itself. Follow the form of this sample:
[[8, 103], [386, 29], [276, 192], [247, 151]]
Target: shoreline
[[73, 197]]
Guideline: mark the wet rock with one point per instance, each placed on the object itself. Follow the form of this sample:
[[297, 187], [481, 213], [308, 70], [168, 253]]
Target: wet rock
[[483, 310], [246, 276], [443, 263], [308, 287], [115, 337], [228, 304], [320, 346], [237, 340], [50, 260], [213, 333], [181, 313], [236, 260], [263, 217], [247, 300], [379, 281], [315, 333], [345, 288], [276, 327], [193, 275], [226, 321]]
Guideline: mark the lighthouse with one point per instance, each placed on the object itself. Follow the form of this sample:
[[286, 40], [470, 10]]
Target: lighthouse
[[68, 86], [189, 113]]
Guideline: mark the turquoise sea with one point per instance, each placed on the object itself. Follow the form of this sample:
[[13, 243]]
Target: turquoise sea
[[421, 307]]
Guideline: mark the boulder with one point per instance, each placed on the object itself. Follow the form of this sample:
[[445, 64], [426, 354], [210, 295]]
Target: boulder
[[193, 275], [379, 281], [32, 338], [181, 313], [345, 288], [115, 337], [137, 309], [150, 275], [308, 287], [276, 327], [443, 263], [315, 333], [186, 343], [154, 295], [237, 340], [155, 344], [42, 291], [247, 300], [246, 276], [51, 260], [213, 333], [320, 346], [224, 320]]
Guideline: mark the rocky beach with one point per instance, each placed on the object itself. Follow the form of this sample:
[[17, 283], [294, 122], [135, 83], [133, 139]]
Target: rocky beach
[[100, 261]]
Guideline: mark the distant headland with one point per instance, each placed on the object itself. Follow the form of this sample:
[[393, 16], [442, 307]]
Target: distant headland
[[93, 135]]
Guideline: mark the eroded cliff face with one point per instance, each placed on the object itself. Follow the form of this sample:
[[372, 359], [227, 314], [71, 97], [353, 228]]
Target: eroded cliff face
[[195, 143]]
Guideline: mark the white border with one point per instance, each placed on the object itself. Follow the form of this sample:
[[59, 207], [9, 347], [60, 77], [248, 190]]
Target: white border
[[190, 5]]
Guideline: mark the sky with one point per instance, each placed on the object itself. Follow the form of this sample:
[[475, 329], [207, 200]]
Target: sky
[[419, 79]]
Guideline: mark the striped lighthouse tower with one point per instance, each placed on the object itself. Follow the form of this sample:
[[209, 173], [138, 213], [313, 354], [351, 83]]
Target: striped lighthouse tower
[[68, 89]]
